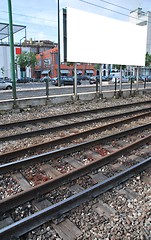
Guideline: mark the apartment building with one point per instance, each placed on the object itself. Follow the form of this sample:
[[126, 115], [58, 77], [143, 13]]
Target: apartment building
[[48, 65]]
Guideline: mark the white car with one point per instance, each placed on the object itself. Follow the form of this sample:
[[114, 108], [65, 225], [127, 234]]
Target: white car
[[5, 85], [124, 79]]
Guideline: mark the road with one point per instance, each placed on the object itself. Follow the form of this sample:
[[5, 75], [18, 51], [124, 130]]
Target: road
[[39, 89]]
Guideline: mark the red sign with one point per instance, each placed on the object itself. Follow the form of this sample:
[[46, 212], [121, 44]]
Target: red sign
[[18, 51]]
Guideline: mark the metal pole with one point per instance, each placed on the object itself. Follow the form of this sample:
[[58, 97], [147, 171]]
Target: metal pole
[[47, 87], [75, 81], [120, 87], [12, 51], [131, 85], [137, 76], [100, 79], [59, 82]]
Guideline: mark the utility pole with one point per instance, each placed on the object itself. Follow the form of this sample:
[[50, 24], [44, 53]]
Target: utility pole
[[12, 51], [59, 82]]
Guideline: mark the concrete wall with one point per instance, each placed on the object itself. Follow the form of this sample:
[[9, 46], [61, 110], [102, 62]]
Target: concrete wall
[[64, 98]]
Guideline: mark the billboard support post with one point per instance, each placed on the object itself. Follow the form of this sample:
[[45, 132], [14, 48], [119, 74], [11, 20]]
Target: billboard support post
[[137, 76], [120, 87], [100, 89], [75, 81]]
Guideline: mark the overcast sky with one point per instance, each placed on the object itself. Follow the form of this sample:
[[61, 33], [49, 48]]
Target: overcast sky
[[40, 17]]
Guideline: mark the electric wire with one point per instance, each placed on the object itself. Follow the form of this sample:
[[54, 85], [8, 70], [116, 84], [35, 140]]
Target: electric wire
[[105, 8], [90, 3], [116, 5], [23, 15]]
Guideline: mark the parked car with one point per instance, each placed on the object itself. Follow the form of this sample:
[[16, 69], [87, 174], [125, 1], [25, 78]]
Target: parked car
[[5, 85], [124, 79], [6, 79], [54, 81], [65, 81], [24, 80], [70, 81], [132, 77], [43, 79], [145, 78], [148, 78], [84, 77], [93, 79]]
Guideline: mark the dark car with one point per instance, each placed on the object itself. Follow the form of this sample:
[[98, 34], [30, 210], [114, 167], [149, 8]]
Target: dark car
[[83, 77], [146, 78], [54, 81], [43, 79], [65, 81], [24, 80], [71, 80], [80, 77]]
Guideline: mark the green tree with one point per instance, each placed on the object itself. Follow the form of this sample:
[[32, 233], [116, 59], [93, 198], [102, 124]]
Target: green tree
[[116, 66], [97, 66], [148, 60], [26, 59]]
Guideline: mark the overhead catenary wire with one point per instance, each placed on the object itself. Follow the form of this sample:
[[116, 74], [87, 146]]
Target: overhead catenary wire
[[84, 1], [115, 5], [90, 3], [23, 15], [109, 9]]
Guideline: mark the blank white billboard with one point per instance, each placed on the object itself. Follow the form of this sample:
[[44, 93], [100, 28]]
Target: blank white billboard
[[94, 38]]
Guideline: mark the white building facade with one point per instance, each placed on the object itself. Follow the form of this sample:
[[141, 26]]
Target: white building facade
[[5, 61]]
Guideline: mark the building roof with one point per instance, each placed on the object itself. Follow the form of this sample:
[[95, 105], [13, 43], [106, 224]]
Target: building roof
[[4, 29]]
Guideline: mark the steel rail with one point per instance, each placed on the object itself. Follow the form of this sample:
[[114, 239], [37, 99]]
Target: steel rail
[[22, 197], [67, 126], [35, 220], [61, 152], [10, 155], [13, 124]]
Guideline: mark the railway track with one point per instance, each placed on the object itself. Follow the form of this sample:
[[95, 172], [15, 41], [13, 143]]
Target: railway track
[[74, 174], [74, 114], [34, 127], [72, 125], [72, 137], [83, 166], [31, 138]]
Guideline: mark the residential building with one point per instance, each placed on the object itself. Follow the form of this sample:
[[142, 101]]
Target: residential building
[[28, 46], [48, 65]]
